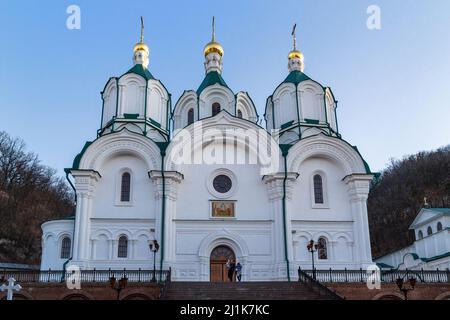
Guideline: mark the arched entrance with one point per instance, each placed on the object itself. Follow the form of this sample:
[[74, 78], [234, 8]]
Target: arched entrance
[[218, 260]]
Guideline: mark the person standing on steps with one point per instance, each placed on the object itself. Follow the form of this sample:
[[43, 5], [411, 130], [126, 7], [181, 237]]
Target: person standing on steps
[[231, 268], [239, 271]]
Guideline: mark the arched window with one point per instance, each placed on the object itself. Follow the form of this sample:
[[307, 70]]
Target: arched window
[[190, 116], [318, 189], [65, 248], [122, 251], [125, 187], [239, 114], [420, 234], [322, 250], [429, 231], [439, 226], [215, 108]]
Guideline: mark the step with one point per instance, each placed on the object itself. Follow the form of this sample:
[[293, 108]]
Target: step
[[239, 291]]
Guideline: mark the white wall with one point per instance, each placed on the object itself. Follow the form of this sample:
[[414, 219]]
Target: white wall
[[107, 194]]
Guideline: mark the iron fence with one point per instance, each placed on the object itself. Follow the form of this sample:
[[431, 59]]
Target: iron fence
[[386, 276], [86, 276]]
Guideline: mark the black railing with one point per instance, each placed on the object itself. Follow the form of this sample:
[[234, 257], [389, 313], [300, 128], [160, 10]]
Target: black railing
[[86, 276], [316, 286], [386, 276]]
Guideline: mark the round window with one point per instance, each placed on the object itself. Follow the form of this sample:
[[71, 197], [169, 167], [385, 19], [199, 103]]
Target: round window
[[222, 183]]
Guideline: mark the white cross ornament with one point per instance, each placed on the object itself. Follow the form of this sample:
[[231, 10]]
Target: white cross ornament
[[10, 288]]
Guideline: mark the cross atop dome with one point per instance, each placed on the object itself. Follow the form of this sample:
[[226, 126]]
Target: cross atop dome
[[141, 50], [296, 59], [213, 52]]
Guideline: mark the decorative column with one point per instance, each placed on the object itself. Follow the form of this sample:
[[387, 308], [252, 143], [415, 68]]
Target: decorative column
[[169, 181], [358, 190], [275, 191], [85, 183]]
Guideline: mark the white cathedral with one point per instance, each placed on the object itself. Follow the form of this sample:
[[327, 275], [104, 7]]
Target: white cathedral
[[157, 172]]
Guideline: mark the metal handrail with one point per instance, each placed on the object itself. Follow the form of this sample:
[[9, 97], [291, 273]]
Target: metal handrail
[[317, 286], [386, 276], [86, 276]]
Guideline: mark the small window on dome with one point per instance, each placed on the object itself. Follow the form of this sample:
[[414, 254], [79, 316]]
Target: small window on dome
[[215, 108], [190, 116], [239, 114]]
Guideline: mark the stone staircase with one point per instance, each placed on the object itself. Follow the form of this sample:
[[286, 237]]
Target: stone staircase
[[240, 291]]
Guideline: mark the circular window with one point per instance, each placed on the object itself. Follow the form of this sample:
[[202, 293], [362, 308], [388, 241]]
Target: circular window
[[222, 183]]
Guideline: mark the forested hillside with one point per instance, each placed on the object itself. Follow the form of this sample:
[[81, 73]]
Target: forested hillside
[[30, 193], [398, 194]]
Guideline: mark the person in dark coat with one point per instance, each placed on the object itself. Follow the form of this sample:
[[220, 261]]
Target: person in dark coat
[[239, 271], [231, 269]]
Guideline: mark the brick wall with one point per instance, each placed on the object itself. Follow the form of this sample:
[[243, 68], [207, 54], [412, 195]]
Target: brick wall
[[98, 291], [359, 291]]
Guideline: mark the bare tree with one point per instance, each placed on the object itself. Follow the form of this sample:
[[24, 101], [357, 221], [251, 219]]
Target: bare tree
[[30, 194]]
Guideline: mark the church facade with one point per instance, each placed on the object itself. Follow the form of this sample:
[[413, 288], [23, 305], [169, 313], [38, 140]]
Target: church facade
[[208, 183]]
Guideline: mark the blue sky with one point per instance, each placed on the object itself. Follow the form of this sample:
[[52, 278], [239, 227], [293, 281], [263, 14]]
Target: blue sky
[[393, 85]]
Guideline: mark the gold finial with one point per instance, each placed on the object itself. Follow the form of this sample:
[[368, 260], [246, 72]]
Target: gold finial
[[213, 46], [142, 30]]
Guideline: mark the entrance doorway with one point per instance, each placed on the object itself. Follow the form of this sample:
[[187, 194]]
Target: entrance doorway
[[218, 260]]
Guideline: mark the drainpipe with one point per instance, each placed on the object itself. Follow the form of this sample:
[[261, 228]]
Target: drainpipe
[[162, 146], [285, 150], [63, 276]]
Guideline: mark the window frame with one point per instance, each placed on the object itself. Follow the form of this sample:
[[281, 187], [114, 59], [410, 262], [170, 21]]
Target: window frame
[[119, 247], [218, 172], [326, 249], [429, 231], [420, 235], [118, 199], [439, 227], [325, 204], [64, 237]]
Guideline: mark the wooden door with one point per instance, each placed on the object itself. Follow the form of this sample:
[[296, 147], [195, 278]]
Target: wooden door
[[219, 257]]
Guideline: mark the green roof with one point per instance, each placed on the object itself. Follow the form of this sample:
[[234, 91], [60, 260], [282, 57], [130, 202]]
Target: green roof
[[140, 70], [296, 77], [447, 254], [440, 210], [211, 78], [382, 265], [76, 161]]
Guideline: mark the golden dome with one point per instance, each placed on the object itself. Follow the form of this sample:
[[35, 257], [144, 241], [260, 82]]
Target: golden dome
[[140, 46], [295, 54], [213, 46]]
